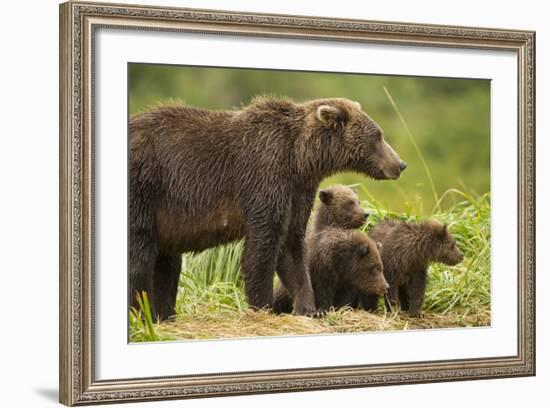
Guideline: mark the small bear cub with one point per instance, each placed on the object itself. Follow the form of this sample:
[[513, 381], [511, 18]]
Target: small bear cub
[[338, 257], [340, 208], [407, 250]]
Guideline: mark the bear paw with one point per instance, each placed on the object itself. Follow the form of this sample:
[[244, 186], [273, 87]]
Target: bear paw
[[418, 314]]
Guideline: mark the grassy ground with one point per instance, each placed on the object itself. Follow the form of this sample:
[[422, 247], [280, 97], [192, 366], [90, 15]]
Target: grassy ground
[[211, 302]]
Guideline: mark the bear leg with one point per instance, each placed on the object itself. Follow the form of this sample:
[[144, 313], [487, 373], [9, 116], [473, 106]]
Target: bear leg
[[143, 246], [165, 281], [404, 298], [282, 301], [369, 302], [392, 298], [140, 274], [258, 268], [346, 296], [293, 273], [416, 290]]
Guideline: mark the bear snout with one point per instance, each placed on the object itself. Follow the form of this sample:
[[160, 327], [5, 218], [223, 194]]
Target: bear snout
[[381, 287], [402, 165]]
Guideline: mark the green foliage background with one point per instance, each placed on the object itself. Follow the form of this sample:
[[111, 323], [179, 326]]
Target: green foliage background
[[449, 118]]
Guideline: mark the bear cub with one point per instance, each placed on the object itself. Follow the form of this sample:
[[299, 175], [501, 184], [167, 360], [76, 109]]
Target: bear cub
[[338, 257], [407, 250]]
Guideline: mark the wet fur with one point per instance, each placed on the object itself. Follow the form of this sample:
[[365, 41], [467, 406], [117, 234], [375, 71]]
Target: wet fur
[[201, 178], [338, 258], [407, 251]]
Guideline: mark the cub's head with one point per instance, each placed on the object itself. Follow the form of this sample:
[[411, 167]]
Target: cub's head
[[340, 207], [349, 139], [444, 244], [366, 271]]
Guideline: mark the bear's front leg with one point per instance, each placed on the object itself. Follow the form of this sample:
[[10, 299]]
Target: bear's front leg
[[416, 290], [369, 302], [324, 296], [258, 266], [346, 296], [404, 298], [392, 298], [282, 300], [292, 271]]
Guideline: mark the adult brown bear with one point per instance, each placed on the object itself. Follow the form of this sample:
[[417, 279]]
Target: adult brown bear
[[201, 178]]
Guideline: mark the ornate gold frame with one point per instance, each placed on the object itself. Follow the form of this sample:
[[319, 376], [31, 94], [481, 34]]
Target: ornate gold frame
[[78, 22]]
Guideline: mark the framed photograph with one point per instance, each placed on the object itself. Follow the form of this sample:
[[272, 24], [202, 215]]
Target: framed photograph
[[256, 203]]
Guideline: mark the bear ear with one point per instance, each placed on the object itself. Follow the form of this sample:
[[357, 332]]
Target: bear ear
[[331, 115], [442, 230], [325, 196]]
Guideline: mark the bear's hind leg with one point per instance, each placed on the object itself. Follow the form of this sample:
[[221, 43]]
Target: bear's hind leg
[[141, 269], [165, 290]]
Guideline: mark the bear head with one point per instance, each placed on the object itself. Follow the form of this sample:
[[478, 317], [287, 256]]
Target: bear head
[[340, 207], [444, 245], [365, 271], [349, 139]]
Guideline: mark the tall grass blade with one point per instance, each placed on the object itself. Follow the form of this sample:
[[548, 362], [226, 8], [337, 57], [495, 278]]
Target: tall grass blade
[[413, 141]]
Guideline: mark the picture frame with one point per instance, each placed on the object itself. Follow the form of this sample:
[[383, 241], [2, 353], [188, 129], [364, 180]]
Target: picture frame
[[79, 23]]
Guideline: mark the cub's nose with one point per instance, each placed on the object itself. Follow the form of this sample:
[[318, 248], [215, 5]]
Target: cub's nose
[[366, 215], [386, 287], [402, 165]]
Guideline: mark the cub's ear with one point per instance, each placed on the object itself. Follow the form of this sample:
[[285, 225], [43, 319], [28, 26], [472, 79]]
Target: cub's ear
[[325, 196], [378, 245], [442, 231], [364, 249], [331, 115]]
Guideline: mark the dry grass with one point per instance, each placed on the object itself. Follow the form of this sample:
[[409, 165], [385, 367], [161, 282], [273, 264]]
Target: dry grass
[[248, 323]]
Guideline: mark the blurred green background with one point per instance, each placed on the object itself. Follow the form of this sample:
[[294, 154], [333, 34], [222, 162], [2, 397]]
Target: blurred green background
[[448, 118]]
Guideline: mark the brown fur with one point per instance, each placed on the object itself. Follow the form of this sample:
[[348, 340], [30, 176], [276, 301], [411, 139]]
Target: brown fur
[[407, 250], [338, 258], [340, 207], [201, 178]]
